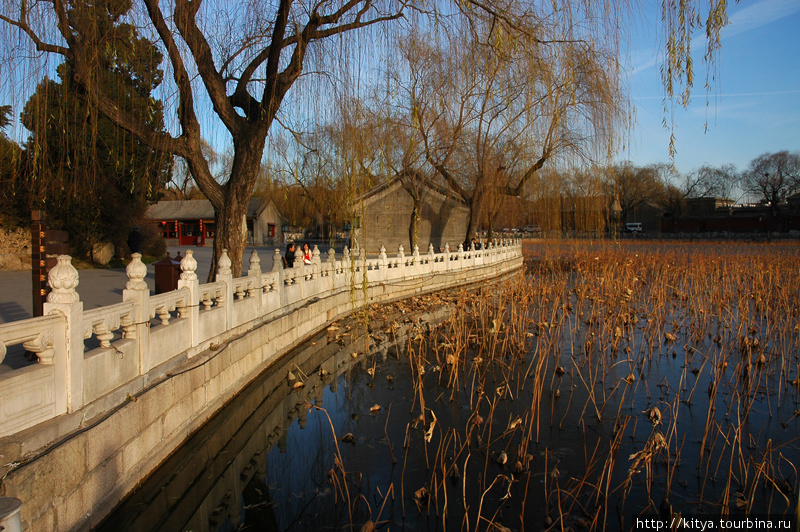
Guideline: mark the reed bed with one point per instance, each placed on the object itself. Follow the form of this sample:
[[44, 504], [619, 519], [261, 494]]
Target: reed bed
[[610, 381]]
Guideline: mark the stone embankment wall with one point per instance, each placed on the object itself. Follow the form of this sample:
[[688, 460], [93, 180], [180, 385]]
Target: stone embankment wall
[[15, 249], [117, 389]]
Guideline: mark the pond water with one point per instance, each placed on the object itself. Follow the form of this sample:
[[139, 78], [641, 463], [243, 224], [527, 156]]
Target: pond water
[[593, 390]]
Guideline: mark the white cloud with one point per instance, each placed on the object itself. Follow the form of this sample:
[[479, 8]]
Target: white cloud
[[760, 14]]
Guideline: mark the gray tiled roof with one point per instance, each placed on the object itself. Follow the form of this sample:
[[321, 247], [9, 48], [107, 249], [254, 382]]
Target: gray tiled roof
[[395, 181], [194, 209]]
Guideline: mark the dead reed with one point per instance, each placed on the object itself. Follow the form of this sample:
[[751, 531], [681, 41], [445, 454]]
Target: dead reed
[[610, 381]]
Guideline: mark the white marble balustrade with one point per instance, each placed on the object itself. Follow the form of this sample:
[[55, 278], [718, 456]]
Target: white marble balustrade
[[85, 355]]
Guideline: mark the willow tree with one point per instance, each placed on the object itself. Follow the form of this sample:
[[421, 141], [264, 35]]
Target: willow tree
[[390, 135], [493, 107], [239, 60], [631, 186]]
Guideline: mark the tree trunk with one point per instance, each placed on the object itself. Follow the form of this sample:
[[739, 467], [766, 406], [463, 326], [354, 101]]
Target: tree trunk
[[475, 214], [229, 236], [413, 238], [230, 208]]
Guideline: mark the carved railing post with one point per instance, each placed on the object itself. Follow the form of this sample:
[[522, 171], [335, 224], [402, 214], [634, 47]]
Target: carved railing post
[[255, 271], [401, 261], [63, 280], [332, 267], [137, 292], [347, 263], [298, 272], [277, 266], [316, 261], [189, 280], [383, 264], [225, 275]]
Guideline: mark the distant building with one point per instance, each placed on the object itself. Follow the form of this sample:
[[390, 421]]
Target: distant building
[[383, 216], [793, 202], [703, 206], [649, 215], [705, 215], [191, 222]]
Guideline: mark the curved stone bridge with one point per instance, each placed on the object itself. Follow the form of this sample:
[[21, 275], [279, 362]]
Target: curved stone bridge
[[118, 388]]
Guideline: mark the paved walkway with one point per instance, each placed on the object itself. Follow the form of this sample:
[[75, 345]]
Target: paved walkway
[[98, 288]]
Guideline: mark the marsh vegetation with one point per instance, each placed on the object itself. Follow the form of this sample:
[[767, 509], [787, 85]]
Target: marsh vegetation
[[609, 381]]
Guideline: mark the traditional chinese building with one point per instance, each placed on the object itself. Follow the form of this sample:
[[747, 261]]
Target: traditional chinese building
[[191, 222]]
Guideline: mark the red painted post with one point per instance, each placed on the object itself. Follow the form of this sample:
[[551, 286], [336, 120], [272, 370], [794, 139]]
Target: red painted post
[[38, 261]]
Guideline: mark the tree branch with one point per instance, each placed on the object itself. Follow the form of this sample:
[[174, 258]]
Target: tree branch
[[185, 12], [40, 45]]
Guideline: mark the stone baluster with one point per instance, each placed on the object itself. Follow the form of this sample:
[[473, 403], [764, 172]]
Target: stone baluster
[[68, 339], [415, 255], [43, 346], [101, 332], [431, 256], [240, 291], [128, 325]]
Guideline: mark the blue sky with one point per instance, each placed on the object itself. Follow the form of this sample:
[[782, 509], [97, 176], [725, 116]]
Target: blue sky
[[754, 107]]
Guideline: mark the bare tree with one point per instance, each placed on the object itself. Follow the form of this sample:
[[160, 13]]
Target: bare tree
[[711, 182], [772, 177]]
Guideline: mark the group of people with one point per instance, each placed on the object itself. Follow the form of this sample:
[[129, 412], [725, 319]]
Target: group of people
[[291, 254], [291, 251], [472, 242]]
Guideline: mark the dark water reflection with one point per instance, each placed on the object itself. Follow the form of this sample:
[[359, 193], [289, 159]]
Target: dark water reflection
[[511, 446]]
